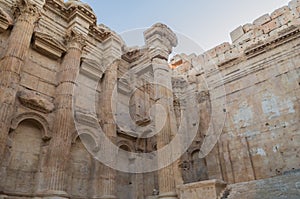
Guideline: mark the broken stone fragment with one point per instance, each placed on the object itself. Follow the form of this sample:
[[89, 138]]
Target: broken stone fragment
[[36, 102]]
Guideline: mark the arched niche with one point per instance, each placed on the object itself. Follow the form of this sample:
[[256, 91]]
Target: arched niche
[[24, 155], [46, 132], [81, 166]]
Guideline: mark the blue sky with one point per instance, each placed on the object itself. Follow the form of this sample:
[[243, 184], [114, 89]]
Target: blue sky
[[207, 23]]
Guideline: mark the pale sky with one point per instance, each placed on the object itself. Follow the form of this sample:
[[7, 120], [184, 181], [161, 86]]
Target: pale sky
[[207, 23]]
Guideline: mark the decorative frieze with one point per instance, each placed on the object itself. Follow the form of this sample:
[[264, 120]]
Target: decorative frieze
[[100, 32]]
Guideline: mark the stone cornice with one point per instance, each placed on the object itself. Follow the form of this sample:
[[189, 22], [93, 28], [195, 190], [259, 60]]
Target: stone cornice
[[100, 33], [284, 36], [58, 7], [85, 13], [133, 54], [68, 12]]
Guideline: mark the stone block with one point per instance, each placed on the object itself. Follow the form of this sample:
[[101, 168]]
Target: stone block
[[248, 27], [294, 4], [29, 81], [280, 11], [295, 22], [272, 25], [245, 38], [237, 33], [258, 31], [295, 13], [262, 20], [204, 189], [211, 53], [220, 49], [298, 10], [46, 88], [286, 18], [233, 53]]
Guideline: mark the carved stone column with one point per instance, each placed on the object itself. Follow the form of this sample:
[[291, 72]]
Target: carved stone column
[[108, 175], [12, 62], [64, 126], [167, 175], [160, 40]]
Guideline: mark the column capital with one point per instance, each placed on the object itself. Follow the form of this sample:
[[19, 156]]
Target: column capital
[[75, 39], [27, 9]]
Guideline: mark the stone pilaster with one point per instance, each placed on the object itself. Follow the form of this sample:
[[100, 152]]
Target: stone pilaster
[[160, 40], [26, 14], [64, 127]]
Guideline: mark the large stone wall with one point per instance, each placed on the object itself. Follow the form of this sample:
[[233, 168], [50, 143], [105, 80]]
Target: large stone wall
[[62, 49], [260, 75]]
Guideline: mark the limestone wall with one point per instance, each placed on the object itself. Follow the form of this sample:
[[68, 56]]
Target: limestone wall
[[260, 74], [40, 152]]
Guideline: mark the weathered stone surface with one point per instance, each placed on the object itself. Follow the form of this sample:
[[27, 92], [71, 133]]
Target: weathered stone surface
[[262, 20], [237, 33], [202, 190], [55, 58], [35, 101]]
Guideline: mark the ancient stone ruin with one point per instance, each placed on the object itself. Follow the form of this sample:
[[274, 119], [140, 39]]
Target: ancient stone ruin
[[83, 115]]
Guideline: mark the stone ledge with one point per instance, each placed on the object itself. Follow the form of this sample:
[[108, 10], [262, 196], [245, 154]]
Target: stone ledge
[[210, 189]]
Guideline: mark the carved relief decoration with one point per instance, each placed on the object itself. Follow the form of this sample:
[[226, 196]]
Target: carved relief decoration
[[100, 32], [36, 102], [75, 39], [26, 8], [132, 55]]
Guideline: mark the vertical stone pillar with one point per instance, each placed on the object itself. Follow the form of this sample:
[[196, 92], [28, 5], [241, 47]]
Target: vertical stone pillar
[[12, 62], [64, 127], [166, 176], [160, 40], [108, 175]]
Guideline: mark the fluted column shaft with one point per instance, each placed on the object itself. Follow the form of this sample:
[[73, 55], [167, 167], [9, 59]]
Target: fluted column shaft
[[108, 175], [164, 97], [64, 126], [11, 64]]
